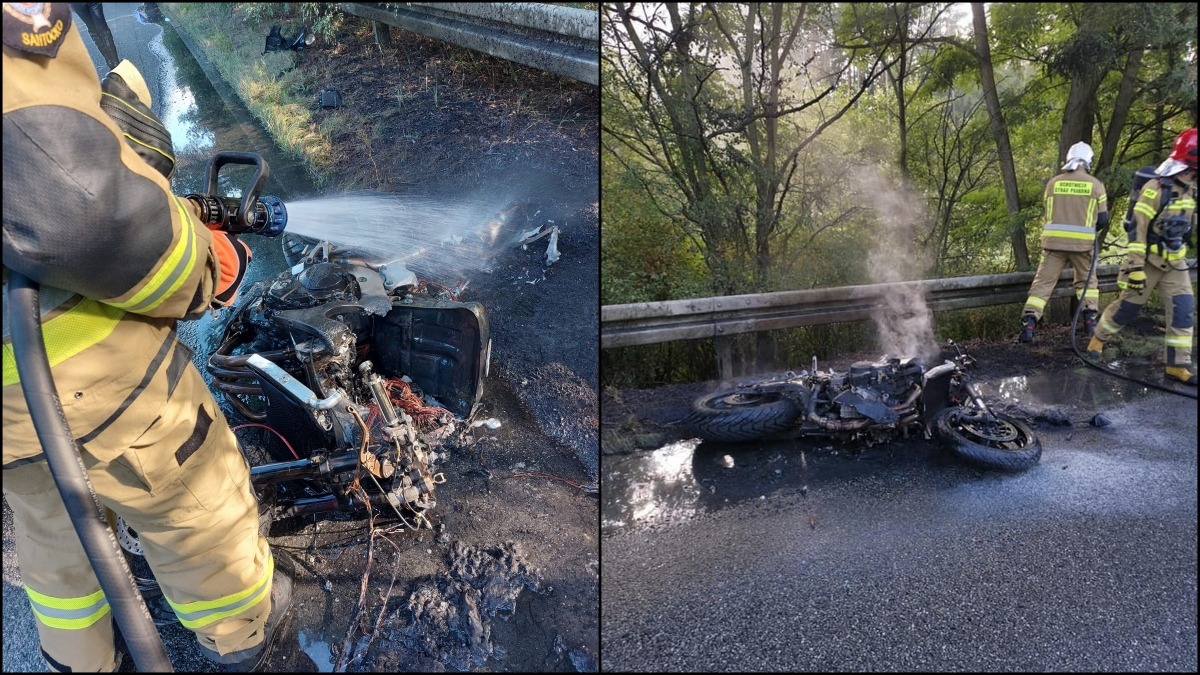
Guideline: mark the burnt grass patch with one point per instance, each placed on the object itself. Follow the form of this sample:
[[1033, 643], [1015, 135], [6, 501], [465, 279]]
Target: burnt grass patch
[[424, 111]]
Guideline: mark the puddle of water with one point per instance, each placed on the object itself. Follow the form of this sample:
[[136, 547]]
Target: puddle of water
[[1081, 386], [179, 108], [317, 649], [650, 488]]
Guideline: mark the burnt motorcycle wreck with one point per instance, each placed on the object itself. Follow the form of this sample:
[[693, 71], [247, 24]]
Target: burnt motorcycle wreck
[[353, 365], [871, 403]]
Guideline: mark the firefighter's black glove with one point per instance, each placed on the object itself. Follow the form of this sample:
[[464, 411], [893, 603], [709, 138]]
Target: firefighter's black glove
[[126, 99]]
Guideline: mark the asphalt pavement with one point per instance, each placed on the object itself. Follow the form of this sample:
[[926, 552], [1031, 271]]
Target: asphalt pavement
[[757, 558]]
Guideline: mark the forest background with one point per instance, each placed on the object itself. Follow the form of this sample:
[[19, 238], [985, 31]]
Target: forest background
[[749, 148]]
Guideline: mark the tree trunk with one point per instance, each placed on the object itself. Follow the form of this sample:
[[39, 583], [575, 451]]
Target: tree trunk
[[1007, 170], [1080, 112], [1120, 112]]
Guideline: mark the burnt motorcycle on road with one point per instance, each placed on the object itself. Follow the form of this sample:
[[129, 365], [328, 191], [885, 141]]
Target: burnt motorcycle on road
[[871, 402]]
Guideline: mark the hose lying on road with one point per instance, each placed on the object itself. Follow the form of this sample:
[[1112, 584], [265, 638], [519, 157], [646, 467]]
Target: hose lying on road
[[66, 466]]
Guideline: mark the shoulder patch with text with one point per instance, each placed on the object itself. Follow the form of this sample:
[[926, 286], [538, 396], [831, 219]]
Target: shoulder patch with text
[[37, 28]]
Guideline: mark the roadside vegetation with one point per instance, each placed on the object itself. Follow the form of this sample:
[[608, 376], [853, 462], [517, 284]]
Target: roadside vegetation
[[749, 148], [406, 101]]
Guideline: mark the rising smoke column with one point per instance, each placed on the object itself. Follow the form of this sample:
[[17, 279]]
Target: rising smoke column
[[903, 319]]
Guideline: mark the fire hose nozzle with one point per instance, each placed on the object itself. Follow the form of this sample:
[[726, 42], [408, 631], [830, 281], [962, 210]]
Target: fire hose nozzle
[[268, 216], [249, 213]]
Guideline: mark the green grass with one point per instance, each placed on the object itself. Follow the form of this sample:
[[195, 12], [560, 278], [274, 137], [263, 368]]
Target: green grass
[[269, 86]]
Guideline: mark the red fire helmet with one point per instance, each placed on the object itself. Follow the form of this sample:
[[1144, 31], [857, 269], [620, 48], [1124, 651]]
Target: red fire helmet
[[1185, 148]]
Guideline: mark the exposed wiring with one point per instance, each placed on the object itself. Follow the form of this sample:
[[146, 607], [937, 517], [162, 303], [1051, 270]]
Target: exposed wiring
[[404, 397], [255, 424], [541, 474], [450, 292], [362, 451]]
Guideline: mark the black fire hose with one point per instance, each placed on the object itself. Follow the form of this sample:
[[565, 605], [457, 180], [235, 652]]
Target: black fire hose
[[66, 466], [1097, 366]]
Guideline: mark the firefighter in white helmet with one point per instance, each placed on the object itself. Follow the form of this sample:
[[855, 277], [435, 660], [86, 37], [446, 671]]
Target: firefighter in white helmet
[[1076, 211]]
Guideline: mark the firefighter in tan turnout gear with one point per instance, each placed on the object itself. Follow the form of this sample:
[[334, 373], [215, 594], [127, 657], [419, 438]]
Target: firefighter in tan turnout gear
[[1163, 220], [1076, 210], [120, 260]]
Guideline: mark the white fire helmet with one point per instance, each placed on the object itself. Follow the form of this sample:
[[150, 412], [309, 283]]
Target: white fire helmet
[[1080, 154]]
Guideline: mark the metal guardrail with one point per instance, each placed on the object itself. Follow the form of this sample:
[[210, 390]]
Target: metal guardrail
[[646, 323], [561, 40]]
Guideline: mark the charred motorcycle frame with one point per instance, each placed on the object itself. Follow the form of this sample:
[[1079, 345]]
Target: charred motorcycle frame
[[872, 402]]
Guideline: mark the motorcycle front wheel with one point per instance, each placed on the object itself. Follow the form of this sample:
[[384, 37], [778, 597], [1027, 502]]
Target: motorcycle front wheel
[[733, 416], [1000, 443]]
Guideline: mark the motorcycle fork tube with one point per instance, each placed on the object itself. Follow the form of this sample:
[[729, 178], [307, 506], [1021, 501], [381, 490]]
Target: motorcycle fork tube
[[328, 503], [301, 468], [978, 401]]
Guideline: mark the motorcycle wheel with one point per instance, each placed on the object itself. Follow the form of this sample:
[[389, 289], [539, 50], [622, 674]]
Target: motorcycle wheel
[[1004, 443], [732, 417]]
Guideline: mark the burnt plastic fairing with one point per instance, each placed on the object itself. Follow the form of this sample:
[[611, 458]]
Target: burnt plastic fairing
[[442, 346]]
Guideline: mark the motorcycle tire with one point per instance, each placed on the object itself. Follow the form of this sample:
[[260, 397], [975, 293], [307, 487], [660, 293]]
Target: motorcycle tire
[[1006, 444], [733, 417]]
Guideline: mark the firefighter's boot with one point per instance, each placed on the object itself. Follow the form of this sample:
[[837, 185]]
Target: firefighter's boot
[[1095, 348], [1089, 321], [1185, 374], [1027, 324]]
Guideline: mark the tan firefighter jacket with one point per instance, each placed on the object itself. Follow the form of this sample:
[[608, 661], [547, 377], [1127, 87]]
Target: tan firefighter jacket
[[118, 257], [1145, 242], [1074, 200]]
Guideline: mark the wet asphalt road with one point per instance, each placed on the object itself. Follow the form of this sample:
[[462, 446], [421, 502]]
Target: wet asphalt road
[[903, 559]]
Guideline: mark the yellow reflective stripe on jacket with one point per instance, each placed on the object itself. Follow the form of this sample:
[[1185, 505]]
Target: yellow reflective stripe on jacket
[[1069, 231], [201, 613], [68, 613], [1144, 209], [1183, 203], [173, 272], [69, 333], [1137, 247]]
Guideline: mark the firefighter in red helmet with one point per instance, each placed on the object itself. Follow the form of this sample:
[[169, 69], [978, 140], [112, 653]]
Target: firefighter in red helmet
[[1164, 218]]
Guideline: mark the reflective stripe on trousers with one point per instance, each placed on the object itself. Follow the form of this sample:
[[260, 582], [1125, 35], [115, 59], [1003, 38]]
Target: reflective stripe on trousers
[[203, 612], [68, 613]]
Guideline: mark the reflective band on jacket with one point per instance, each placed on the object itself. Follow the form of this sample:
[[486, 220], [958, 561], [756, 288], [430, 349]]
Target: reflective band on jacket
[[1176, 255], [198, 614], [1178, 341], [1069, 231], [69, 333], [173, 272], [68, 613], [1144, 209], [1035, 302], [1137, 247]]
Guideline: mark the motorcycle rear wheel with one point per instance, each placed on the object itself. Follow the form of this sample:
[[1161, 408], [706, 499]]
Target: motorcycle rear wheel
[[731, 416], [1004, 443]]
